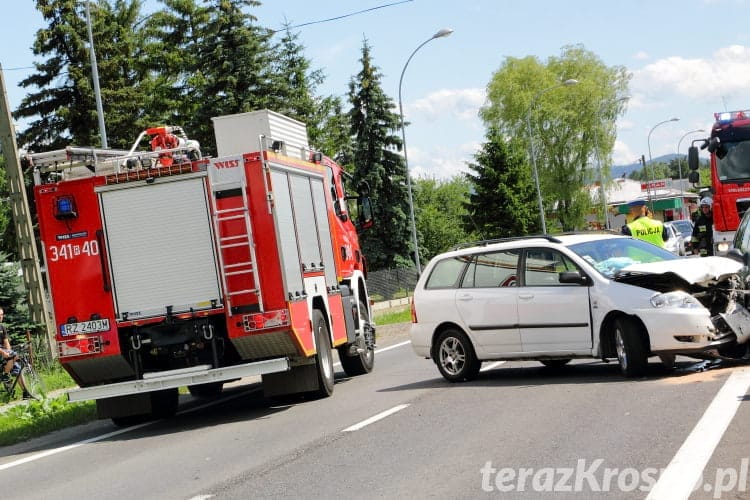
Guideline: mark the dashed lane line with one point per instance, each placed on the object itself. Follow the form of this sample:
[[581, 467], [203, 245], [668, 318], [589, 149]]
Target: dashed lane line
[[375, 418]]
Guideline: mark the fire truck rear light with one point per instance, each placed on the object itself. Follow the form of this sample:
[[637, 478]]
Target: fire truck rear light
[[65, 208], [79, 346], [262, 321]]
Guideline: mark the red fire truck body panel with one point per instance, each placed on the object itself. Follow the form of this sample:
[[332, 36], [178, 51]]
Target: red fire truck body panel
[[75, 259], [201, 271]]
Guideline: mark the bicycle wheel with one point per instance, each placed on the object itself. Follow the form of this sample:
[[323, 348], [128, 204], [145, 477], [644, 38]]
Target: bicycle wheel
[[33, 383]]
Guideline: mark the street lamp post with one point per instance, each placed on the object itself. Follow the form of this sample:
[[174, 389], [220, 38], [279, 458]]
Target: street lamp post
[[95, 77], [440, 34], [650, 160], [679, 163], [531, 146], [602, 191]]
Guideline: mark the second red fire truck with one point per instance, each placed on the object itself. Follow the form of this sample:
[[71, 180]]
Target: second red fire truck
[[729, 147], [167, 269]]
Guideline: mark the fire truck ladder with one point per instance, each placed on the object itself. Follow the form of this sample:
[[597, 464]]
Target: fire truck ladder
[[234, 232]]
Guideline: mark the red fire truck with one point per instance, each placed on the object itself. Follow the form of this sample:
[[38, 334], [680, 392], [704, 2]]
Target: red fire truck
[[167, 270], [729, 147]]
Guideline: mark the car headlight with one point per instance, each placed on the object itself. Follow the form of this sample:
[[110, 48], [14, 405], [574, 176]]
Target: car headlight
[[675, 299]]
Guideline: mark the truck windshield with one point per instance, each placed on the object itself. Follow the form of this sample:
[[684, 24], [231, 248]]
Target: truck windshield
[[736, 164]]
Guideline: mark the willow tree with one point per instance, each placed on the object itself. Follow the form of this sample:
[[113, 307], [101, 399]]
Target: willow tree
[[572, 126]]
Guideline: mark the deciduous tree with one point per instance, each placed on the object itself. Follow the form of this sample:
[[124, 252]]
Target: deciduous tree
[[567, 124]]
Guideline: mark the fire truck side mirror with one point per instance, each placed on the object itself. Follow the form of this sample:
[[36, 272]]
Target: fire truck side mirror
[[365, 217], [692, 158], [694, 177]]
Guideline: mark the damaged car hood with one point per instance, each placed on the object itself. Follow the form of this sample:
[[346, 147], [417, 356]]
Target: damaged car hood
[[680, 273]]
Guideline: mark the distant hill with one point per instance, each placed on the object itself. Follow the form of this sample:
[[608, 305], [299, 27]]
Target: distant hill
[[625, 170]]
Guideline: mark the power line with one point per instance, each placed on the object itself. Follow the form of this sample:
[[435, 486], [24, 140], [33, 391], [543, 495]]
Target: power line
[[344, 16]]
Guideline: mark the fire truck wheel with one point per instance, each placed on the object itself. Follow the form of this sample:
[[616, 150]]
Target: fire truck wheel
[[362, 362], [206, 391], [163, 405], [324, 358]]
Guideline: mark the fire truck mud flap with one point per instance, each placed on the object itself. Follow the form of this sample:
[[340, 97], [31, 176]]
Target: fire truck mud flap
[[158, 381]]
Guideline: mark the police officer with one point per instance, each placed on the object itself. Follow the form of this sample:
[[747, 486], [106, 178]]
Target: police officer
[[703, 232], [643, 227]]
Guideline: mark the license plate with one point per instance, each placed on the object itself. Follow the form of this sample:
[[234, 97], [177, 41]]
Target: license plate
[[93, 326]]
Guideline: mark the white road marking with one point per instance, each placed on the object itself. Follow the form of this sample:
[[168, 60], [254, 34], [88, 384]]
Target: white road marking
[[491, 366], [375, 418], [55, 451], [393, 346], [686, 468]]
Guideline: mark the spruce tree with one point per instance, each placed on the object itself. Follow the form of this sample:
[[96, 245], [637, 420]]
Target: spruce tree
[[297, 83], [503, 201], [62, 102], [374, 131], [234, 63]]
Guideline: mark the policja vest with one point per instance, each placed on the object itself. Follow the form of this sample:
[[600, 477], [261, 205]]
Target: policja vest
[[647, 229]]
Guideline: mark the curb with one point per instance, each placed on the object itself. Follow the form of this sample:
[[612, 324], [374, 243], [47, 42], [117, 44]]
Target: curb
[[388, 304]]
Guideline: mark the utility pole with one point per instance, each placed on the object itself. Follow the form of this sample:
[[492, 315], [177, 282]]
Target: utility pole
[[32, 274]]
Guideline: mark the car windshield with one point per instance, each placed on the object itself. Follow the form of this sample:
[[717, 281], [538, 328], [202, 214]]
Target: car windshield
[[610, 255]]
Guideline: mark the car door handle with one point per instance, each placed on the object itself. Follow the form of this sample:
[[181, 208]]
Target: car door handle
[[465, 297], [526, 296]]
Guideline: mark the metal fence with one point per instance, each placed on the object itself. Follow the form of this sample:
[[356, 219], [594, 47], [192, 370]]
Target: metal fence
[[389, 284]]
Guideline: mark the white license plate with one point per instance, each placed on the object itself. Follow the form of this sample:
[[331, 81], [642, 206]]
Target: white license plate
[[93, 326]]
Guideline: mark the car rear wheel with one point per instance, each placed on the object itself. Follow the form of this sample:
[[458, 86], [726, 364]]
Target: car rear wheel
[[631, 349], [455, 356]]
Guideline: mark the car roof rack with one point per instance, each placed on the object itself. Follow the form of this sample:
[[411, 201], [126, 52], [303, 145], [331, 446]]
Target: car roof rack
[[548, 237], [484, 243]]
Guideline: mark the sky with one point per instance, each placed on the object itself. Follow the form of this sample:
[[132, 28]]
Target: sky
[[689, 59]]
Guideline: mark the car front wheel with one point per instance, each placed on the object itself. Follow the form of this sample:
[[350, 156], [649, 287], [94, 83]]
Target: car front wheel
[[455, 356], [631, 349]]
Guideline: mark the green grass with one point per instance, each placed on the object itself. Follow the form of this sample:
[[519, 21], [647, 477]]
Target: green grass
[[36, 418], [390, 317]]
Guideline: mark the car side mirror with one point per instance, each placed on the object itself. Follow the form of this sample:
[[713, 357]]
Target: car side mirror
[[574, 277]]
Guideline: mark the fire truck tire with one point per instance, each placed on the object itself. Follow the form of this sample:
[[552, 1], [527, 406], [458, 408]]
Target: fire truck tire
[[164, 403], [363, 362], [206, 391], [324, 358]]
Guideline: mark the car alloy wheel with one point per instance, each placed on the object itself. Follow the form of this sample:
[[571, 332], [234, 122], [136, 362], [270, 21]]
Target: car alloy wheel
[[452, 356]]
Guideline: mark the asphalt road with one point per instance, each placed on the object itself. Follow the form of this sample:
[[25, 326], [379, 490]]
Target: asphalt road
[[520, 431]]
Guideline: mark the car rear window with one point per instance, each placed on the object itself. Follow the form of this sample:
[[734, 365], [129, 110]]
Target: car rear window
[[491, 270], [447, 272]]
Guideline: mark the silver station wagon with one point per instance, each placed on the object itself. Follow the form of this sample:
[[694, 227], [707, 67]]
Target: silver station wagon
[[587, 295]]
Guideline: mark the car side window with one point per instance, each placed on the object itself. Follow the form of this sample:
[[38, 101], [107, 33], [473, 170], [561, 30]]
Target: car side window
[[492, 270], [542, 267], [447, 273]]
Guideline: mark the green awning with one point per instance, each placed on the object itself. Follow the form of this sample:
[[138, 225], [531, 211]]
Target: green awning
[[663, 204]]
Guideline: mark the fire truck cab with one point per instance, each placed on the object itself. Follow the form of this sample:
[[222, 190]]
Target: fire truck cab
[[729, 148], [167, 269]]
